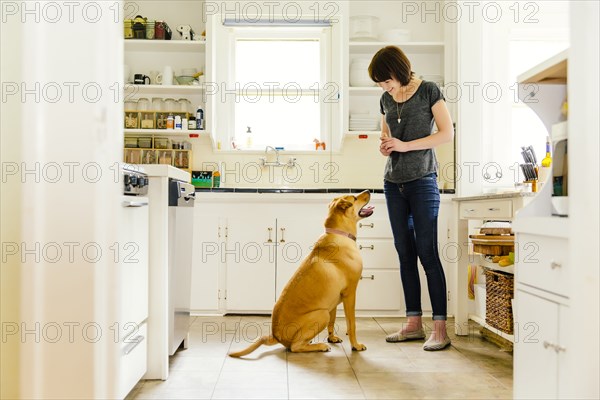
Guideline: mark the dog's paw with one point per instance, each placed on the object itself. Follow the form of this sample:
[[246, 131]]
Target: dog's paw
[[327, 349], [334, 339], [359, 347]]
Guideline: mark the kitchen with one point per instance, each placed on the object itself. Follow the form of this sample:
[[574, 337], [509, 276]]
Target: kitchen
[[66, 69]]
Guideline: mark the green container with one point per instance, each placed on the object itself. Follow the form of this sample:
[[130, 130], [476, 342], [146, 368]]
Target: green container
[[202, 179]]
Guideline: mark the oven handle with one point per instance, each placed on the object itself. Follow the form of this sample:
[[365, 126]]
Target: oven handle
[[134, 203]]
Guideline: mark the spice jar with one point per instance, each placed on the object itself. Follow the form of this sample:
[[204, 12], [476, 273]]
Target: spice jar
[[128, 30], [159, 30], [150, 29]]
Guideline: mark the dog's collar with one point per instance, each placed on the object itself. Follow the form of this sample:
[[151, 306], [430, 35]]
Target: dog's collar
[[338, 232]]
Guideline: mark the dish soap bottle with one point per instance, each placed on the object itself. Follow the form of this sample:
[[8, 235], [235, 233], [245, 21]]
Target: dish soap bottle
[[216, 179], [547, 161], [249, 138]]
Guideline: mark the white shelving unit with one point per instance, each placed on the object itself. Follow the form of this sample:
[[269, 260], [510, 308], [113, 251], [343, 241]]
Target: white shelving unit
[[166, 90], [165, 132], [164, 45], [542, 294]]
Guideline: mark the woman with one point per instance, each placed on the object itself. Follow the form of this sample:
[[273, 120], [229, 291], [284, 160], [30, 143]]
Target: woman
[[409, 107]]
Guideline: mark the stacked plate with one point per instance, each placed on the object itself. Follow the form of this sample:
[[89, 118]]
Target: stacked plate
[[364, 122]]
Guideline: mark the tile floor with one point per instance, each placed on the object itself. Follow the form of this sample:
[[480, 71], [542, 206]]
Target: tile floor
[[471, 368]]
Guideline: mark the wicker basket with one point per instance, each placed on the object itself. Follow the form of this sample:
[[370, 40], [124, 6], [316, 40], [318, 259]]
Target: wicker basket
[[499, 287]]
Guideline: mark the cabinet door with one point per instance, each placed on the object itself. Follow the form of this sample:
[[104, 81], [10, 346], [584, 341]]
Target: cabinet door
[[535, 360], [295, 240], [379, 290], [250, 253], [209, 242], [132, 254]]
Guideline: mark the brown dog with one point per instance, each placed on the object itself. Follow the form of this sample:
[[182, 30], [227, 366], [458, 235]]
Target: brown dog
[[326, 278]]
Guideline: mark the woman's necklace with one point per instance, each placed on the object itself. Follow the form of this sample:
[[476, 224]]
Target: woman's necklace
[[399, 112]]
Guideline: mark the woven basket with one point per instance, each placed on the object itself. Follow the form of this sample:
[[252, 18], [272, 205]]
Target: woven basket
[[499, 288]]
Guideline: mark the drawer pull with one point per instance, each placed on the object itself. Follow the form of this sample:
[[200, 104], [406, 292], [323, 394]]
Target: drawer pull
[[282, 233], [269, 240], [554, 264], [493, 209], [469, 209], [371, 247], [134, 343], [556, 347], [371, 225], [371, 277]]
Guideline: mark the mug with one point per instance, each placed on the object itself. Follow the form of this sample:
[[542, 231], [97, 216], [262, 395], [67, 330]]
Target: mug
[[153, 75], [166, 77], [140, 79]]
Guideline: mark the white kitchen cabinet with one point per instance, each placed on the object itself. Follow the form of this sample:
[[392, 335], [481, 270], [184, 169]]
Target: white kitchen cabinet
[[296, 237], [250, 253], [235, 263], [209, 241], [540, 357]]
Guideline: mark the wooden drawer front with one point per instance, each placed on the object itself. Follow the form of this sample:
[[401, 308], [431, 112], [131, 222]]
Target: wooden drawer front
[[378, 253], [133, 359], [486, 209], [379, 290], [373, 228], [541, 261]]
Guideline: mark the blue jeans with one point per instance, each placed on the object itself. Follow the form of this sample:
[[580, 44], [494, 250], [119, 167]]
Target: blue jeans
[[413, 211]]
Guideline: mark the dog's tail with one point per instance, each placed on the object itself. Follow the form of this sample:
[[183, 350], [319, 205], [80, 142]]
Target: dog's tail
[[268, 340]]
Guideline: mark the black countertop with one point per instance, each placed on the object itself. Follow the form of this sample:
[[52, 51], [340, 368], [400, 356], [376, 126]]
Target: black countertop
[[299, 190]]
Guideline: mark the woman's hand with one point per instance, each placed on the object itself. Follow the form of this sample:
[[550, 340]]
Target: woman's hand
[[389, 144]]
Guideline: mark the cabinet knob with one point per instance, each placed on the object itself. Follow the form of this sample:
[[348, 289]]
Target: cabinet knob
[[554, 264], [371, 277], [371, 247], [493, 209], [361, 225]]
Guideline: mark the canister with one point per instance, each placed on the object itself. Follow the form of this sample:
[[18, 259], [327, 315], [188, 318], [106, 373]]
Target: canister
[[128, 32], [150, 25], [159, 30]]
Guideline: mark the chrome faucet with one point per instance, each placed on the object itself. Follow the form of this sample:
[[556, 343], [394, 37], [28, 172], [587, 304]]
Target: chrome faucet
[[273, 149], [276, 163]]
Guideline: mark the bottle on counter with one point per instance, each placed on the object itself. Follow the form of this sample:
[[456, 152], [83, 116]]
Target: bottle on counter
[[216, 179], [191, 123], [200, 118], [547, 161], [249, 138], [170, 121]]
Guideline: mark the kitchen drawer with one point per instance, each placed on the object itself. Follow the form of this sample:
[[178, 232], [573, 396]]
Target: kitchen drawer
[[378, 253], [379, 290], [541, 261], [373, 228], [494, 209], [134, 353]]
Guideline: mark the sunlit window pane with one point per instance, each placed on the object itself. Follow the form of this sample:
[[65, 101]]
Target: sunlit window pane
[[281, 61], [292, 123]]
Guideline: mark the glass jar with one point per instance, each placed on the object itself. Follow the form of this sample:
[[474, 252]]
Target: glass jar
[[150, 29], [143, 104], [157, 104], [130, 105], [170, 105], [184, 105]]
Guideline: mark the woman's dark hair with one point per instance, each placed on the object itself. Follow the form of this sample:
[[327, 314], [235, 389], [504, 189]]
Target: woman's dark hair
[[390, 62]]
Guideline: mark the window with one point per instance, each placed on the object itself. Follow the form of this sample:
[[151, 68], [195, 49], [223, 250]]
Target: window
[[279, 84], [278, 93]]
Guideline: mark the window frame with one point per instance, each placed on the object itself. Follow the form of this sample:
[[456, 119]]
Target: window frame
[[220, 99]]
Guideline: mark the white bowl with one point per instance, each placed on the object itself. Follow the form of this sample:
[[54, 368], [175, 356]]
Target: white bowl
[[560, 205], [395, 35], [363, 27]]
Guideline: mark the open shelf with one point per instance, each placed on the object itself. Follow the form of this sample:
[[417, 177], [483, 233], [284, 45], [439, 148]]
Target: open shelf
[[132, 89], [163, 132], [553, 71], [481, 321], [164, 45]]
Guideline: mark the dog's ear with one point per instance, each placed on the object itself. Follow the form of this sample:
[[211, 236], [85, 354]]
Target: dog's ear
[[344, 204]]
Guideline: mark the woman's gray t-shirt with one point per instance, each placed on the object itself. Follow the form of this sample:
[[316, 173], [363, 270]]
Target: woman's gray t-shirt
[[416, 122]]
